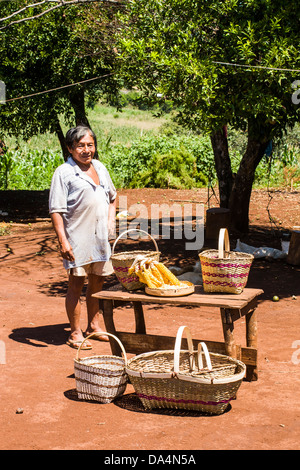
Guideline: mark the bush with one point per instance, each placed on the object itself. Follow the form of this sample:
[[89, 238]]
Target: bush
[[125, 163], [176, 169]]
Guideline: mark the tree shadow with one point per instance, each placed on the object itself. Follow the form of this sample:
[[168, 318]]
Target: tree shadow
[[54, 289], [41, 336]]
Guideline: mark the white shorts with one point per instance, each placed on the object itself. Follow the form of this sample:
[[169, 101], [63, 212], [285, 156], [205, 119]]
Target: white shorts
[[100, 268]]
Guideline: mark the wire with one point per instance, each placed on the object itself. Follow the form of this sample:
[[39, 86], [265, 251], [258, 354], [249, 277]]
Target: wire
[[55, 89], [107, 75], [255, 66]]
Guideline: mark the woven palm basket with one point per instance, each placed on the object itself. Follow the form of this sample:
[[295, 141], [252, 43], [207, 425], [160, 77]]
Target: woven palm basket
[[122, 262], [224, 270], [100, 378], [170, 379]]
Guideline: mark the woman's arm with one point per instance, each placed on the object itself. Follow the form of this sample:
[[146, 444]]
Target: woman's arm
[[64, 246]]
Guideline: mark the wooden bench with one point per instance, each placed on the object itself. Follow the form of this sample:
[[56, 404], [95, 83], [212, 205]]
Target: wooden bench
[[232, 307]]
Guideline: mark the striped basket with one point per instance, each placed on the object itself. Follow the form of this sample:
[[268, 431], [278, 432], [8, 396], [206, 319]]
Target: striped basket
[[122, 261], [224, 270], [100, 378], [178, 380]]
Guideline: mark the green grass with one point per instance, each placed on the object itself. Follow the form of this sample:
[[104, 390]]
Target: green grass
[[122, 127], [128, 140]]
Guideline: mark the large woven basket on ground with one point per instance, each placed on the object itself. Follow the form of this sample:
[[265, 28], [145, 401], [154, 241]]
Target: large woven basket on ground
[[174, 379], [122, 261], [100, 378], [225, 270]]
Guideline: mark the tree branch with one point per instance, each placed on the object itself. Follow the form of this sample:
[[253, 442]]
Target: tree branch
[[60, 3], [28, 6]]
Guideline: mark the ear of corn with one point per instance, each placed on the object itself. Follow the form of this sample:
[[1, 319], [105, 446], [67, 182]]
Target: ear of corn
[[154, 274], [149, 279], [166, 273], [141, 277]]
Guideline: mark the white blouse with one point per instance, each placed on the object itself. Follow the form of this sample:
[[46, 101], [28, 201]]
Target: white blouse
[[84, 207]]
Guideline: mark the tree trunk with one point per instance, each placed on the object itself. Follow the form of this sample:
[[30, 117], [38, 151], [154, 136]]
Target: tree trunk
[[223, 165], [242, 186], [61, 138], [76, 97]]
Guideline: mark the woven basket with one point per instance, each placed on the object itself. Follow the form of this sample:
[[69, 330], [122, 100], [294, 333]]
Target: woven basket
[[100, 378], [122, 261], [225, 271], [173, 379]]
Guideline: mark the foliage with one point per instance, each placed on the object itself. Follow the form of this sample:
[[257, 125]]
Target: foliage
[[176, 169], [30, 171], [182, 50], [127, 151], [125, 163], [171, 48], [48, 53]]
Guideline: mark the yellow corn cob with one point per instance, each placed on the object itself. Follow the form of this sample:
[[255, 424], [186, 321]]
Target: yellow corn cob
[[156, 273], [150, 280], [141, 277], [155, 281], [167, 275]]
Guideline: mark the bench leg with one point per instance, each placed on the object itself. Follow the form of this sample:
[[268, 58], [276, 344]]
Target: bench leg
[[140, 326], [108, 317], [251, 338], [228, 328]]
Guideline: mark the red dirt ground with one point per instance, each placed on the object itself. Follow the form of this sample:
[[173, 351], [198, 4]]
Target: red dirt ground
[[37, 366]]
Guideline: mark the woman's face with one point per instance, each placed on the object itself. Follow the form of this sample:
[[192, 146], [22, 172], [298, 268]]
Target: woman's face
[[83, 151]]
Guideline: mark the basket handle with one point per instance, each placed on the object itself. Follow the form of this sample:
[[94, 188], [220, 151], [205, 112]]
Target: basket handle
[[108, 334], [133, 230], [177, 348], [223, 240], [207, 356]]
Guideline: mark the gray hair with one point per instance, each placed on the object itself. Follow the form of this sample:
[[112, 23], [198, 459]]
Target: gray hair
[[75, 134]]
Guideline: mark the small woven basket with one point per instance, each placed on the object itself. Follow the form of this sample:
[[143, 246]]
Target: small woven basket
[[225, 270], [122, 261], [171, 379], [100, 378]]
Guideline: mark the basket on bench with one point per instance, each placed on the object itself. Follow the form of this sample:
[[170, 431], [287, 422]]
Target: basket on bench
[[225, 270], [122, 261]]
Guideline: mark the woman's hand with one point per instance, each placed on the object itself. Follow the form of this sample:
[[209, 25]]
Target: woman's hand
[[64, 246], [66, 250]]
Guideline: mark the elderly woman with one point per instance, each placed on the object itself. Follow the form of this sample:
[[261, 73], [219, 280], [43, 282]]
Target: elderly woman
[[82, 204]]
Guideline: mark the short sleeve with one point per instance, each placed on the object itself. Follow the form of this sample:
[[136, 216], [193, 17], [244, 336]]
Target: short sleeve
[[58, 194], [112, 190]]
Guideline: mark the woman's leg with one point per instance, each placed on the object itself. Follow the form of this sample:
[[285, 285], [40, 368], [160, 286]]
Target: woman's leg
[[73, 307], [95, 284]]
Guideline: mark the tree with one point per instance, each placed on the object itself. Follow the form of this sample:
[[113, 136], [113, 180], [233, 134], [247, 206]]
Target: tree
[[182, 49], [52, 53]]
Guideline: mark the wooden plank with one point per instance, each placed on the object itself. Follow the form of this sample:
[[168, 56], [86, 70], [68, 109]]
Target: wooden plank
[[138, 344], [232, 301]]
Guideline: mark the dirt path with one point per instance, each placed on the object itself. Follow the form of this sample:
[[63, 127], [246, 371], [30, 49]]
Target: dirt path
[[37, 367]]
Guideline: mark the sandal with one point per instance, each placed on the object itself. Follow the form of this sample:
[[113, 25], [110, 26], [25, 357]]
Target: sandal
[[77, 343], [98, 336]]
